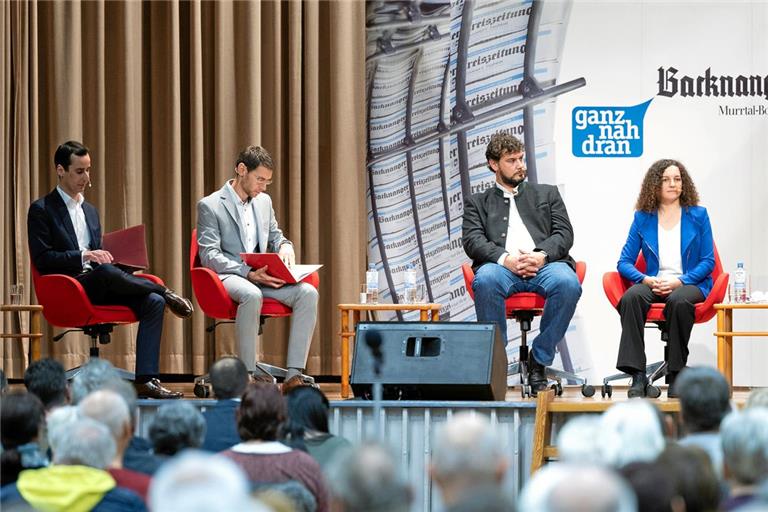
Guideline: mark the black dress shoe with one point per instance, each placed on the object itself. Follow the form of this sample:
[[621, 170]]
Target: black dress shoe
[[154, 389], [297, 381], [671, 390], [537, 375], [178, 305], [639, 383]]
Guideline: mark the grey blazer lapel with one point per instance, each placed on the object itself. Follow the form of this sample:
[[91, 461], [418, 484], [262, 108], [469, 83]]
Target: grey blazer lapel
[[229, 205]]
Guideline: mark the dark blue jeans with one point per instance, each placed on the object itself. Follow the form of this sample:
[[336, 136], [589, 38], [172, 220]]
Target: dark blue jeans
[[556, 281]]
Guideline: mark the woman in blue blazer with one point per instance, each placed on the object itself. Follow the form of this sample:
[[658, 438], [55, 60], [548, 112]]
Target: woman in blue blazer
[[676, 239]]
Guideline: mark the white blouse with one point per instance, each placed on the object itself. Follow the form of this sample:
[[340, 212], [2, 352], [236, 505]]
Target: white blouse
[[670, 252]]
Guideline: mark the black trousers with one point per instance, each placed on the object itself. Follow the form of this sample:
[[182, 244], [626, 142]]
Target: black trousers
[[108, 285], [679, 312]]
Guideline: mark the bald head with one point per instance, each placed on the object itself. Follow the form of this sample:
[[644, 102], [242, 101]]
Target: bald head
[[108, 408], [229, 377]]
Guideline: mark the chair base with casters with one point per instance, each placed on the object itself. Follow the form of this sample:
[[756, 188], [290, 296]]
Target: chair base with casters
[[217, 304], [100, 334], [524, 307], [615, 286], [654, 372]]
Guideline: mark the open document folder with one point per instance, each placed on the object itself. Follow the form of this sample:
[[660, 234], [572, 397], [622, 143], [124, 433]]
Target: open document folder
[[276, 267], [128, 248]]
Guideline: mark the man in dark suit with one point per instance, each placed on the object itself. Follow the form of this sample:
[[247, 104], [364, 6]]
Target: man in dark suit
[[65, 238], [518, 236], [229, 378]]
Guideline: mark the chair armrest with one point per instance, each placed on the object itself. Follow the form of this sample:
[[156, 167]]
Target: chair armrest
[[614, 286], [469, 277], [581, 270], [706, 310], [150, 277], [210, 293], [64, 301]]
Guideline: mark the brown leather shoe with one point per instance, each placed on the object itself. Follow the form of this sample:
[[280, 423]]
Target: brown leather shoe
[[153, 388], [298, 381], [179, 306]]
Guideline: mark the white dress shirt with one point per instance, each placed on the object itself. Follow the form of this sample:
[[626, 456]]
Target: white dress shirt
[[77, 216], [518, 237], [247, 219]]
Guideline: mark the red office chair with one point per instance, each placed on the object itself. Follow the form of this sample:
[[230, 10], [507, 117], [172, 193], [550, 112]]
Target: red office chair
[[65, 304], [615, 286], [216, 303], [523, 307]]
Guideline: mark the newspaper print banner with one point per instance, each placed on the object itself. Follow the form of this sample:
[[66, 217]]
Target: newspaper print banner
[[442, 78]]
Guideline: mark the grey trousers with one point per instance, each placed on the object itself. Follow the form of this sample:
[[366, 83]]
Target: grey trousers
[[302, 298]]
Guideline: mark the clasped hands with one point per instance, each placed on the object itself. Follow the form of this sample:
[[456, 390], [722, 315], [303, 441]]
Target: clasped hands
[[662, 286], [525, 264], [259, 276]]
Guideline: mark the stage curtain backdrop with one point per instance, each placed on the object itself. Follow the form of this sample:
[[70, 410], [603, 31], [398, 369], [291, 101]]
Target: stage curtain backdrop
[[165, 94]]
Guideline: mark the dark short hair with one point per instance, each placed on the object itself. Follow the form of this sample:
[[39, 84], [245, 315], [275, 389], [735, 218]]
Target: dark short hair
[[501, 143], [21, 417], [63, 154], [229, 377], [253, 157], [46, 379], [693, 476], [704, 398], [262, 412], [308, 407]]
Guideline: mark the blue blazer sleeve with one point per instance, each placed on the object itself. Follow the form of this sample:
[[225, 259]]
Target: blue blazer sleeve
[[626, 264], [704, 261]]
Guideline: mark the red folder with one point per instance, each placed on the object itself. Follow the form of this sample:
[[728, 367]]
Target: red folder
[[128, 248], [276, 267]]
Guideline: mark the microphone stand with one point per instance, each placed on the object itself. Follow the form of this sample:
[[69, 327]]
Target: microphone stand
[[374, 344]]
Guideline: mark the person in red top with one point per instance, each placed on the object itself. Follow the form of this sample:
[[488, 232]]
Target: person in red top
[[109, 408], [261, 415]]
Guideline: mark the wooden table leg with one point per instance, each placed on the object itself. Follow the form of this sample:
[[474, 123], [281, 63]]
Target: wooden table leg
[[344, 353], [423, 315], [729, 347], [435, 315], [37, 334], [541, 429], [721, 343]]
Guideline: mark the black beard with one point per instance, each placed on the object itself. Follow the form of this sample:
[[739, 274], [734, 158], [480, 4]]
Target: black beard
[[512, 182]]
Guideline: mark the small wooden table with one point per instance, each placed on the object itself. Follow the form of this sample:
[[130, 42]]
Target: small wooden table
[[725, 334], [350, 316], [35, 334]]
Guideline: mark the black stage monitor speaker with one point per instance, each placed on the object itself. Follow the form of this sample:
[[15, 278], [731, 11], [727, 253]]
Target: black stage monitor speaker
[[430, 360]]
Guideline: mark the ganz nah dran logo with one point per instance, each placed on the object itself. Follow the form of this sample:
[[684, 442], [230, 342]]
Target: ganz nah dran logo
[[608, 131]]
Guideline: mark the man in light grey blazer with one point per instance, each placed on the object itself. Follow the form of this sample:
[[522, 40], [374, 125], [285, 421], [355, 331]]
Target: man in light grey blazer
[[239, 218]]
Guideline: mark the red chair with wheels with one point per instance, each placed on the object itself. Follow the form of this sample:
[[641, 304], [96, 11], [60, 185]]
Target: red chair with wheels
[[523, 307], [217, 304], [66, 305], [615, 286]]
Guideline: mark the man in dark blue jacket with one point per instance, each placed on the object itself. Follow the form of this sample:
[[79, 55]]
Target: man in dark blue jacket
[[229, 378], [518, 236]]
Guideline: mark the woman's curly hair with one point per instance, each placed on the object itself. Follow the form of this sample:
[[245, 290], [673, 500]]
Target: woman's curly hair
[[648, 200]]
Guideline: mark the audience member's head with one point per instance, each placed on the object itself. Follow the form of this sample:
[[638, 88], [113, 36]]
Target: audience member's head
[[22, 418], [694, 477], [46, 379], [563, 487], [654, 487], [578, 440], [229, 378], [367, 479], [262, 412], [58, 423], [630, 432], [758, 397], [200, 482], [128, 393], [93, 375], [466, 456], [176, 426], [744, 437], [86, 443], [704, 398], [109, 408], [289, 496], [307, 413]]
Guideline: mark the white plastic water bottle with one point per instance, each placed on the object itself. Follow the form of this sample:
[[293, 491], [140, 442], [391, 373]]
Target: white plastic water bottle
[[372, 284], [409, 283], [740, 283]]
